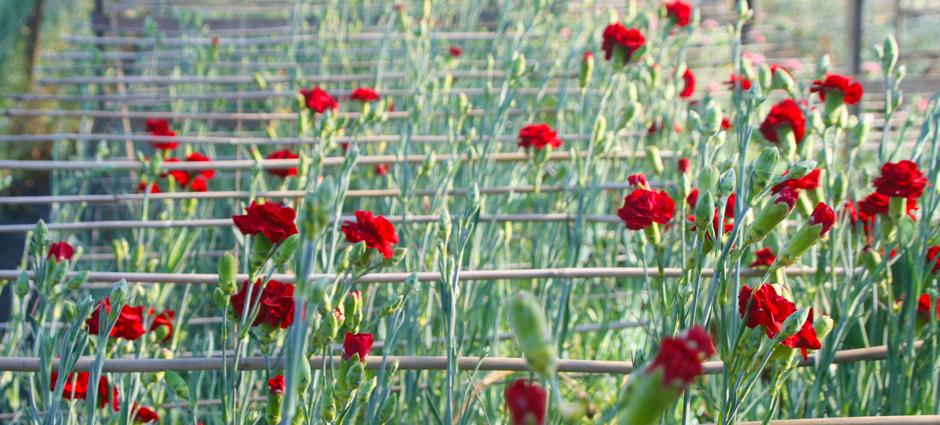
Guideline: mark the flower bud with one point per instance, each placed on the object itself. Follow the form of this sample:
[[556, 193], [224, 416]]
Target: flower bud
[[770, 216], [792, 324], [632, 110], [119, 293], [260, 250], [764, 167], [286, 249], [356, 373], [319, 296], [742, 9], [228, 271], [68, 311], [518, 65], [708, 179], [704, 212], [176, 383], [655, 159], [712, 118], [587, 69], [823, 65], [352, 308], [527, 321], [765, 77], [783, 80], [727, 182], [823, 326], [220, 299], [819, 223], [328, 409]]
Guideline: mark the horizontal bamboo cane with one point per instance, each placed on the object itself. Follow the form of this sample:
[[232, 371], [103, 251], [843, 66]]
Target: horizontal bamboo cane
[[467, 363], [243, 140], [399, 277], [332, 161], [229, 116], [288, 194], [273, 39]]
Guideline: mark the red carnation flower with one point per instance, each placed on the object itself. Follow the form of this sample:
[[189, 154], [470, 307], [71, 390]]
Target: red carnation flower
[[767, 308], [274, 221], [933, 258], [588, 55], [850, 90], [688, 78], [692, 199], [185, 177], [873, 205], [161, 128], [902, 179], [142, 187], [681, 358], [787, 196], [76, 388], [642, 207], [61, 251], [277, 385], [679, 12], [735, 81], [275, 303], [638, 180], [163, 320], [377, 232], [808, 182], [381, 170], [923, 307], [180, 176], [286, 171], [526, 401], [823, 215], [725, 123], [364, 94], [318, 100], [199, 184], [130, 323], [360, 344], [682, 164], [538, 136], [763, 258], [786, 114], [145, 414], [618, 37], [455, 52]]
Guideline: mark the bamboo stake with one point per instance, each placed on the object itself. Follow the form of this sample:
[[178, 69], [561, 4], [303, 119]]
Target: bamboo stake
[[288, 194], [227, 116], [331, 161], [241, 140], [515, 364], [433, 276]]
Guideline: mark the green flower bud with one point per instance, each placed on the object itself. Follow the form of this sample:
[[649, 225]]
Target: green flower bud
[[792, 324], [802, 241], [68, 311], [228, 272], [119, 293], [356, 373], [655, 159], [783, 80], [319, 296], [742, 9], [328, 409], [708, 179], [519, 65], [765, 77], [21, 286], [704, 212], [711, 120], [260, 249], [221, 299], [767, 219], [861, 130], [823, 326], [727, 182], [645, 398], [286, 249], [527, 321], [632, 110], [839, 188], [764, 168], [587, 69], [176, 383], [823, 65], [304, 376]]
